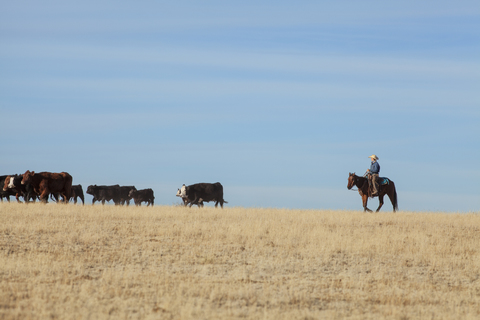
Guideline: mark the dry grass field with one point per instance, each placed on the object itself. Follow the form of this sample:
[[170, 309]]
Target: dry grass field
[[169, 262]]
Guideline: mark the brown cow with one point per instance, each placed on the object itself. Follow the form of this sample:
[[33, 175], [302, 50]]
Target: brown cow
[[45, 183]]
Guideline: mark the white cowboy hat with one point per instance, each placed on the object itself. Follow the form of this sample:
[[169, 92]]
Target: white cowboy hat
[[373, 156]]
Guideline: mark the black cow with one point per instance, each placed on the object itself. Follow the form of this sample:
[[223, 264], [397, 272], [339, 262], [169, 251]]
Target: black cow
[[139, 196], [117, 193], [202, 192], [76, 192], [125, 194], [12, 185], [105, 193]]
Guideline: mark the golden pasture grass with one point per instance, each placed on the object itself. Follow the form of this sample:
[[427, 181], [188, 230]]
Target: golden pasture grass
[[168, 262]]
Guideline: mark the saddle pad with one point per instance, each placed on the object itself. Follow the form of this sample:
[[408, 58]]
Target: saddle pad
[[383, 181]]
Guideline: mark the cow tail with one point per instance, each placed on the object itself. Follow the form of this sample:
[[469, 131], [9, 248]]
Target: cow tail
[[68, 186]]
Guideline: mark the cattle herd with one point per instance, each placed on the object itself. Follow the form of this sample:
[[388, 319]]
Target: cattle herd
[[44, 185]]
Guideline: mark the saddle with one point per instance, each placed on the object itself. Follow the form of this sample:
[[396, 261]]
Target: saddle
[[381, 182]]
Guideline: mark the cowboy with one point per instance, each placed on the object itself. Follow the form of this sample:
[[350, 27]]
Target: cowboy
[[373, 174]]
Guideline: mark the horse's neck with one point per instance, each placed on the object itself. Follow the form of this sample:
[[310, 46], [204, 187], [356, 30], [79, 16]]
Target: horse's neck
[[361, 182]]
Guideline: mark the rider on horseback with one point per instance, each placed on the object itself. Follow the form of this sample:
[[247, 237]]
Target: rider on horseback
[[373, 174]]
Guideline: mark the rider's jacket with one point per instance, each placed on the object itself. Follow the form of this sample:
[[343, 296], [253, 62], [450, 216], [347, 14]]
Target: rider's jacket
[[375, 167]]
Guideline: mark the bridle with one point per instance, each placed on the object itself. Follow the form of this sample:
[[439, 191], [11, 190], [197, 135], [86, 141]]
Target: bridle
[[355, 181]]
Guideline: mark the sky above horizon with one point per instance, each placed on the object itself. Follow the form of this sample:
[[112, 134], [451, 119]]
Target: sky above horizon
[[278, 101]]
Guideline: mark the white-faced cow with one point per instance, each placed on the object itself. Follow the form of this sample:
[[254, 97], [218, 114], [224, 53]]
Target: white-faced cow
[[12, 184], [6, 191], [183, 195], [202, 192]]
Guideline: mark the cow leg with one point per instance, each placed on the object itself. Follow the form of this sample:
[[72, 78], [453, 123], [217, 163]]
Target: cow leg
[[44, 191], [194, 201], [44, 196], [17, 195], [33, 196], [54, 196]]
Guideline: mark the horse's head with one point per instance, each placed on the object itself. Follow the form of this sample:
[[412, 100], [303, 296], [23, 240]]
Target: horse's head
[[352, 180]]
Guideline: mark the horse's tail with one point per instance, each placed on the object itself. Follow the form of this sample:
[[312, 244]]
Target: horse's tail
[[395, 199]]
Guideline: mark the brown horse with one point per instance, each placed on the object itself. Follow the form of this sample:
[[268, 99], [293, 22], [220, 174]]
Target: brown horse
[[362, 184]]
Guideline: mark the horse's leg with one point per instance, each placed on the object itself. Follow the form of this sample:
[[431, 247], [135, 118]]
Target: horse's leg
[[380, 199], [365, 200]]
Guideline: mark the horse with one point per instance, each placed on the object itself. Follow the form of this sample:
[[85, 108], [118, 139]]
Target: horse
[[384, 189]]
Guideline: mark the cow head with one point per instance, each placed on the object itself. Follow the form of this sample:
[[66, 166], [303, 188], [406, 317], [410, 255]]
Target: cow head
[[182, 192], [7, 183], [91, 189], [131, 193], [27, 176], [11, 184]]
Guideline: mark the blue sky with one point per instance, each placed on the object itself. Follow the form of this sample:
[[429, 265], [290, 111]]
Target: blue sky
[[278, 101]]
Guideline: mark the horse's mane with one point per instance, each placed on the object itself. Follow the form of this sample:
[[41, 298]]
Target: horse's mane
[[361, 186]]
